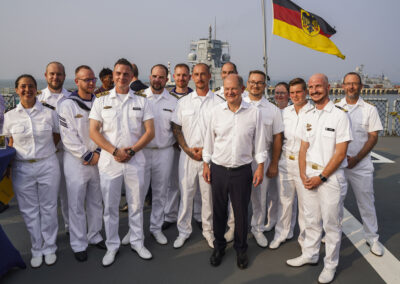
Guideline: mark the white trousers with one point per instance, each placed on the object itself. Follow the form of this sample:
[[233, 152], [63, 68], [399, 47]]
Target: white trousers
[[272, 200], [62, 193], [85, 202], [361, 179], [289, 185], [112, 175], [258, 201], [36, 188], [323, 210], [158, 171], [191, 180]]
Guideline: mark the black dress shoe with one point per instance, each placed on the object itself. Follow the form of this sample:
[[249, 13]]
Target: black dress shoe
[[242, 260], [167, 224], [124, 208], [100, 245], [216, 257], [200, 225], [81, 256]]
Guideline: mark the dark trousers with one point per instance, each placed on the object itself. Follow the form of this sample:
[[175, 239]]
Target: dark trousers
[[237, 184]]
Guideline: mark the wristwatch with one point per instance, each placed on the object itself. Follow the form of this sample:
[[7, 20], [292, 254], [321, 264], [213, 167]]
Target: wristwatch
[[131, 152], [323, 179]]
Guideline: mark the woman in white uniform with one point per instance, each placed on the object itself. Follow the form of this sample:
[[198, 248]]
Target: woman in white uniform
[[33, 131]]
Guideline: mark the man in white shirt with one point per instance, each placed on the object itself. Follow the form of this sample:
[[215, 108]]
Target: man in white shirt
[[289, 178], [121, 123], [80, 166], [359, 173], [234, 133], [189, 124], [226, 69], [53, 95], [159, 153], [325, 134]]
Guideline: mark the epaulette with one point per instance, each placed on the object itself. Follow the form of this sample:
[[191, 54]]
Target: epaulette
[[216, 89], [38, 93], [49, 106], [221, 97], [339, 107], [105, 93], [336, 101], [174, 95], [141, 93]]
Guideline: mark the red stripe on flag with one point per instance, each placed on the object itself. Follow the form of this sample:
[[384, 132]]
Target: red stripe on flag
[[287, 15]]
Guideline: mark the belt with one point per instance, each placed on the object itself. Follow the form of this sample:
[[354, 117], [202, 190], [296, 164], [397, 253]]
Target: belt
[[33, 160], [315, 166], [232, 168], [158, 148]]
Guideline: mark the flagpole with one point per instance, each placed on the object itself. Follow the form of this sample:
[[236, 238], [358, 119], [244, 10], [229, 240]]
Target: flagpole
[[265, 46]]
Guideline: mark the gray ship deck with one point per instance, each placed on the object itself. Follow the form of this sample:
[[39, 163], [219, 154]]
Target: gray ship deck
[[190, 264]]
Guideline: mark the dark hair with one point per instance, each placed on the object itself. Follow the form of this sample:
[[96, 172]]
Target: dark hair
[[298, 81], [231, 63], [355, 74], [257, 72], [205, 65], [80, 67], [58, 63], [123, 61], [25, 76], [162, 66], [135, 70], [182, 65], [286, 85], [104, 72]]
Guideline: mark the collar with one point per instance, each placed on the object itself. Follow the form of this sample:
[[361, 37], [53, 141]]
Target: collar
[[329, 106], [149, 94], [181, 94], [76, 95], [360, 102], [263, 102], [305, 108], [113, 93], [37, 106], [47, 93], [243, 105], [196, 96]]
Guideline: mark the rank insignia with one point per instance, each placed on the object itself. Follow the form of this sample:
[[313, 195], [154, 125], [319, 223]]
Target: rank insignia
[[308, 126], [107, 107], [136, 108], [165, 109], [78, 115]]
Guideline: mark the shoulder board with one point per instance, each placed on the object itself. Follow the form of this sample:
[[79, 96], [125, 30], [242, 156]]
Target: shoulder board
[[216, 89], [38, 93], [98, 95], [141, 94], [221, 97], [174, 95], [49, 106], [336, 101], [339, 107]]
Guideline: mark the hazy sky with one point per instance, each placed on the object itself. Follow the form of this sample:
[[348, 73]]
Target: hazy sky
[[97, 33]]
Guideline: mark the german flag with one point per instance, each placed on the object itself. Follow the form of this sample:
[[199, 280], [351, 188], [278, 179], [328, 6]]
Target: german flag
[[305, 28]]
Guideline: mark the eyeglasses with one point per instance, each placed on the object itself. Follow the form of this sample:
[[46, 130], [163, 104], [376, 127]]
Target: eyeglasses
[[281, 93], [351, 84], [260, 83], [88, 80]]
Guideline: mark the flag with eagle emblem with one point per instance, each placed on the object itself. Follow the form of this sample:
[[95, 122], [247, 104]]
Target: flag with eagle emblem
[[295, 24]]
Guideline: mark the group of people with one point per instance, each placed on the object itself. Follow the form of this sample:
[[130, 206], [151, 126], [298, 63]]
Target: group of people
[[204, 154]]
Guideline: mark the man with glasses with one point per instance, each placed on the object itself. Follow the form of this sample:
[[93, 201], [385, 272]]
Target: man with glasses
[[80, 166], [273, 128], [281, 95], [53, 95], [359, 173]]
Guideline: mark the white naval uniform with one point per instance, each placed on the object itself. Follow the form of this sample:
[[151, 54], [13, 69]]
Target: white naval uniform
[[36, 172], [122, 126], [83, 181], [54, 99], [289, 183], [323, 207], [193, 114], [159, 154], [364, 118]]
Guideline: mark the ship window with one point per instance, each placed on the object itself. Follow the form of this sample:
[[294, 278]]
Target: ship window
[[201, 45]]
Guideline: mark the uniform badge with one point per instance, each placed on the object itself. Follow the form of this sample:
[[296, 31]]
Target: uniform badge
[[308, 126], [136, 108], [107, 107], [78, 115], [165, 109]]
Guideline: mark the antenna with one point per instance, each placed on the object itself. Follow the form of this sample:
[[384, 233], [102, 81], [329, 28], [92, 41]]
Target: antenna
[[215, 27]]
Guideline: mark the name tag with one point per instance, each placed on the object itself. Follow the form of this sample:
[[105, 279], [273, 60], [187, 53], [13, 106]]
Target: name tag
[[165, 109], [78, 115], [107, 107], [330, 129], [136, 108]]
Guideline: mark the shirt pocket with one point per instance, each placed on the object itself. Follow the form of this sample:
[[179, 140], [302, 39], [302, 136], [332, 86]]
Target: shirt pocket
[[329, 132], [109, 119], [18, 130]]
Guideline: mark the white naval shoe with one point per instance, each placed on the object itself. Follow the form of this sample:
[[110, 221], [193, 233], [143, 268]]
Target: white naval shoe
[[376, 248], [229, 235], [275, 244], [300, 261], [36, 261], [326, 275], [160, 238], [261, 240], [142, 251], [109, 257], [179, 241], [50, 259], [210, 240], [126, 239]]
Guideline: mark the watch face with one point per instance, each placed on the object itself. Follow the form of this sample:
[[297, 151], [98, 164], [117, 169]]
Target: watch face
[[131, 152]]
